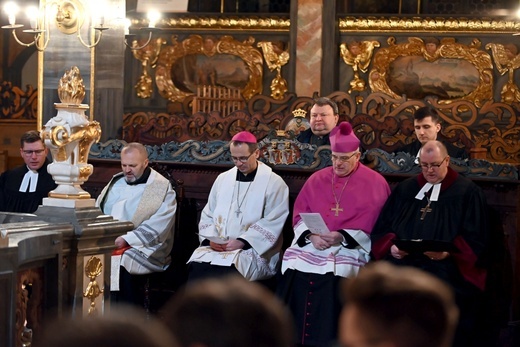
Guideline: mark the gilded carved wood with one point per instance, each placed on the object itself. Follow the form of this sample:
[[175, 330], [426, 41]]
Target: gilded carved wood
[[276, 57], [447, 69], [197, 60], [380, 121]]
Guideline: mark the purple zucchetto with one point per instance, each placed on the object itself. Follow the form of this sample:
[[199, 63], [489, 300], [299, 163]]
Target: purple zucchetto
[[244, 136], [342, 139]]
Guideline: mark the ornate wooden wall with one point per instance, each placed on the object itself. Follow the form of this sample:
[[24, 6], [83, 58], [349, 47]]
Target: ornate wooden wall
[[380, 121]]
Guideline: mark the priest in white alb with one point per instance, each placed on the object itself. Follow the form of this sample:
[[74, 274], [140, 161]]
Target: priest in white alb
[[348, 196], [240, 228], [143, 196]]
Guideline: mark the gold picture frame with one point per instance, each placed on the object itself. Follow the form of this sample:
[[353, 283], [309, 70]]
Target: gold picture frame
[[182, 66], [443, 68]]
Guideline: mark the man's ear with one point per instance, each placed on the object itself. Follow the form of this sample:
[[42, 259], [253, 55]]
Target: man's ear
[[438, 127]]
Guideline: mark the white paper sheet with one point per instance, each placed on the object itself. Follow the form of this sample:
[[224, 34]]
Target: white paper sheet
[[315, 223]]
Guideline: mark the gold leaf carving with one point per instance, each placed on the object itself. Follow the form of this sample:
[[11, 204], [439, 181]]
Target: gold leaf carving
[[507, 60], [427, 25], [358, 55], [387, 78], [209, 46], [276, 57], [148, 57]]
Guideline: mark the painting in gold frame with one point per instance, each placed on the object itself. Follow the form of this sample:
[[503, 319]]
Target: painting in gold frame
[[443, 68], [182, 66]]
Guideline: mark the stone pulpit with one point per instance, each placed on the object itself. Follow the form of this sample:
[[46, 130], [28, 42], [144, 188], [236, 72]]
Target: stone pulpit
[[57, 261]]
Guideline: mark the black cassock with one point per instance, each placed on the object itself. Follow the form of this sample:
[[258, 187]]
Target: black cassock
[[458, 217], [12, 200]]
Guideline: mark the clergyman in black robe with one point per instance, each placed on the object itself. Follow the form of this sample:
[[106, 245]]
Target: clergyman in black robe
[[22, 189], [439, 205]]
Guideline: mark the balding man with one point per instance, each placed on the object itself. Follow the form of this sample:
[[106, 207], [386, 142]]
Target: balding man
[[448, 212], [143, 196]]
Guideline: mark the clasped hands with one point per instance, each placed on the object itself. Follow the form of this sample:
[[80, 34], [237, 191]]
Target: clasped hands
[[399, 254], [232, 245], [326, 240]]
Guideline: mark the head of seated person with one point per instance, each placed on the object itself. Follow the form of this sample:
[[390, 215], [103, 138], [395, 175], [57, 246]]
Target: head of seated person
[[391, 306], [228, 311], [124, 326], [426, 121], [323, 116]]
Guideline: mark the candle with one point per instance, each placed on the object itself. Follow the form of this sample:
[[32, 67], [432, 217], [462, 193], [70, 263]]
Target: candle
[[11, 9], [127, 26], [32, 14], [153, 17]]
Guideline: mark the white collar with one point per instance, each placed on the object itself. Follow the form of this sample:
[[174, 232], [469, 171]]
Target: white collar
[[32, 178], [426, 188]]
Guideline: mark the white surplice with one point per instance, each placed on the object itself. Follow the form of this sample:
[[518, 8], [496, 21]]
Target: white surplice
[[264, 206], [151, 207]]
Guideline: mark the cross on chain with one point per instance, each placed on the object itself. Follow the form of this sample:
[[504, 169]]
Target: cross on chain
[[336, 209], [425, 210]]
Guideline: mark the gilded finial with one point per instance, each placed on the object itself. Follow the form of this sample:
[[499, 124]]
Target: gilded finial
[[71, 89]]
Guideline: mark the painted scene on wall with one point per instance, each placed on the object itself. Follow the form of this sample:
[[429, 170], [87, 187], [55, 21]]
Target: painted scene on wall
[[417, 78], [224, 70]]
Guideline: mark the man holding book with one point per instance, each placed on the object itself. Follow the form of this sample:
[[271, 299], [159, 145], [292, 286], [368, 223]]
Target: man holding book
[[440, 207]]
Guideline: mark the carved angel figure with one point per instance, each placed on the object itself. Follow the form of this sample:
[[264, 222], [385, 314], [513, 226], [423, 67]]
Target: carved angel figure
[[148, 57], [275, 57], [358, 55], [506, 59]]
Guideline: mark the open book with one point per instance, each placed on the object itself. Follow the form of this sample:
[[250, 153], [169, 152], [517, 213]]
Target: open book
[[421, 246]]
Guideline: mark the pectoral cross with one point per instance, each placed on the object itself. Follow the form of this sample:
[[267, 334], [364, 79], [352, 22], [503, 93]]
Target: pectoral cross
[[336, 209], [426, 209], [238, 212]]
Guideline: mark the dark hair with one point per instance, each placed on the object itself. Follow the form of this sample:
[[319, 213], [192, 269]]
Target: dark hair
[[323, 101], [228, 312], [427, 111], [403, 305], [123, 326], [30, 136]]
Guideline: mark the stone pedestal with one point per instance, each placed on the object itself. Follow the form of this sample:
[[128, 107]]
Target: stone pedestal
[[92, 243], [64, 253]]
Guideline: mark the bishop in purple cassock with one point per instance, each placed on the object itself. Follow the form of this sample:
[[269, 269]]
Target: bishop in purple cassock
[[349, 197]]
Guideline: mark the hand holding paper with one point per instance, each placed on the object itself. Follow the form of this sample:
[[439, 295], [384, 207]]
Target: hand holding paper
[[315, 223]]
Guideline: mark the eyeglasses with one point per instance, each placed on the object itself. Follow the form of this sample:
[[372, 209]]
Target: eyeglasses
[[425, 166], [38, 152], [242, 159], [321, 115], [342, 159]]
